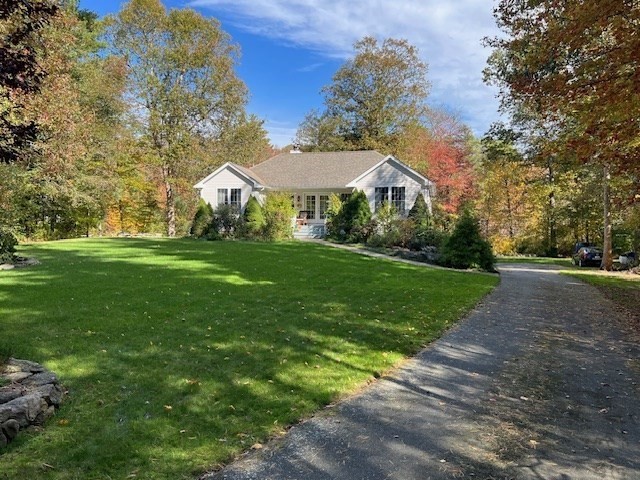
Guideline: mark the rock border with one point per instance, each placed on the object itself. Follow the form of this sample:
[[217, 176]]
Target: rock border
[[30, 397], [19, 262]]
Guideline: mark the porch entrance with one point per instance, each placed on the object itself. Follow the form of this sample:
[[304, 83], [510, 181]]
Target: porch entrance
[[315, 206]]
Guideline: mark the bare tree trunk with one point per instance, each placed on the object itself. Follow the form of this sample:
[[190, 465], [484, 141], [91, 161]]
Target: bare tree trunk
[[607, 247], [170, 205]]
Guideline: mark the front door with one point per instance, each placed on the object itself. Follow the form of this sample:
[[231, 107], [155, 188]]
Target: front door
[[316, 205]]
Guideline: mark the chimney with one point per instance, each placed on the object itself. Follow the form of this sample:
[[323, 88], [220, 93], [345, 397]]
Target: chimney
[[296, 148]]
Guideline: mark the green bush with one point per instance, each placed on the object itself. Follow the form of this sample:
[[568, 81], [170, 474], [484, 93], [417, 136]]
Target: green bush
[[350, 220], [202, 220], [279, 213], [8, 244], [385, 228], [254, 220], [466, 248], [420, 213], [426, 237], [225, 223]]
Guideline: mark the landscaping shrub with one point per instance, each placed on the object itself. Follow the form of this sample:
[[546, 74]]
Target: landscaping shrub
[[335, 218], [278, 214], [419, 213], [225, 222], [254, 221], [8, 244], [351, 221], [202, 220], [427, 237], [388, 229], [466, 248]]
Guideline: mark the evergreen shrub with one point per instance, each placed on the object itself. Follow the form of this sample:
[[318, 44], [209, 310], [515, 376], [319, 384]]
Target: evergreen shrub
[[466, 248]]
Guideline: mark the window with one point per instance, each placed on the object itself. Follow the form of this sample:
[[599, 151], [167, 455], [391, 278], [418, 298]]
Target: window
[[324, 205], [382, 196], [310, 206], [344, 197], [223, 196], [231, 197], [397, 199], [236, 198]]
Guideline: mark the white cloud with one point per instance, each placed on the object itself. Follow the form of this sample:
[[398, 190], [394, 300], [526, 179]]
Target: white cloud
[[448, 35]]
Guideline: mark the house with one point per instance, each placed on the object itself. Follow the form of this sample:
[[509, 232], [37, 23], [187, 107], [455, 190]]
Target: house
[[312, 177]]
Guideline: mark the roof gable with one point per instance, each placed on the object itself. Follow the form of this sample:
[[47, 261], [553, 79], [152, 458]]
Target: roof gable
[[405, 169], [244, 173]]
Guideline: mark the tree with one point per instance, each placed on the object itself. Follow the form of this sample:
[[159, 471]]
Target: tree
[[372, 100], [22, 72], [182, 79], [466, 248], [511, 198], [202, 219], [442, 152], [420, 213], [574, 65]]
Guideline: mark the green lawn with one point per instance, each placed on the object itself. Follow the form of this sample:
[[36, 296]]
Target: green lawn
[[563, 262], [177, 354]]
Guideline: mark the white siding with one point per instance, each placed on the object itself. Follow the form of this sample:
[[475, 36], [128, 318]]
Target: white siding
[[387, 175], [226, 178]]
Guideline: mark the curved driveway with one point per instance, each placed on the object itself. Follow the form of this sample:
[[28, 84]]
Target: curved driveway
[[540, 381]]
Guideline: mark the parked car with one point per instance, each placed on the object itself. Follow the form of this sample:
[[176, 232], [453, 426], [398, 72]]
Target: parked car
[[587, 255]]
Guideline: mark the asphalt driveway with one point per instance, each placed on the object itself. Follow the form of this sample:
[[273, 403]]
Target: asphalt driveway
[[540, 381]]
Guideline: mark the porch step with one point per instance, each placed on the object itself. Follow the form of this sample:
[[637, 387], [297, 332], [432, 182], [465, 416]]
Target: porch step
[[309, 231]]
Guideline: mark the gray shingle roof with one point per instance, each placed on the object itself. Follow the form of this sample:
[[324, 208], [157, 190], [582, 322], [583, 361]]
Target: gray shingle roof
[[315, 170]]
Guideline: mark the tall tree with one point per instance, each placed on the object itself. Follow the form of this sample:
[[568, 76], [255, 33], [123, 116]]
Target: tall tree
[[182, 78], [441, 149], [575, 64], [21, 71], [373, 99]]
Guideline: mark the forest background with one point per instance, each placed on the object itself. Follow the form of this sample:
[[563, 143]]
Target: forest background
[[106, 124]]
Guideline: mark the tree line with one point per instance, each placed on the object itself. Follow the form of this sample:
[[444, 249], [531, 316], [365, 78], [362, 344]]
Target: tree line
[[106, 124]]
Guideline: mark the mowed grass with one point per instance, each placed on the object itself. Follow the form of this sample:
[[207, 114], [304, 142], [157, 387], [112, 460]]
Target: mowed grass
[[562, 262], [178, 354]]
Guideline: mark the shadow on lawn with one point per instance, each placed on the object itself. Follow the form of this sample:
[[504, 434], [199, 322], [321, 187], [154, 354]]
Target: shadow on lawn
[[170, 346], [537, 385]]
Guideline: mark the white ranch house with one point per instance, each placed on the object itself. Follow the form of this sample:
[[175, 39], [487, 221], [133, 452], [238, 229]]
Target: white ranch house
[[312, 177]]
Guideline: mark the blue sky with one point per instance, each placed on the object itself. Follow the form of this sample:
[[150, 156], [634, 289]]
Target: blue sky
[[292, 48]]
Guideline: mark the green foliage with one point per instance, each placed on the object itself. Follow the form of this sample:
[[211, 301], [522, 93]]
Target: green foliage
[[8, 244], [254, 219], [202, 219], [279, 213], [374, 98], [182, 68], [419, 213], [225, 223], [355, 217], [385, 227], [22, 73], [466, 248], [204, 328]]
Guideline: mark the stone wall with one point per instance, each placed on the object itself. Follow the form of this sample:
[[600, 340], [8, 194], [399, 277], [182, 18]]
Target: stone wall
[[29, 395]]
